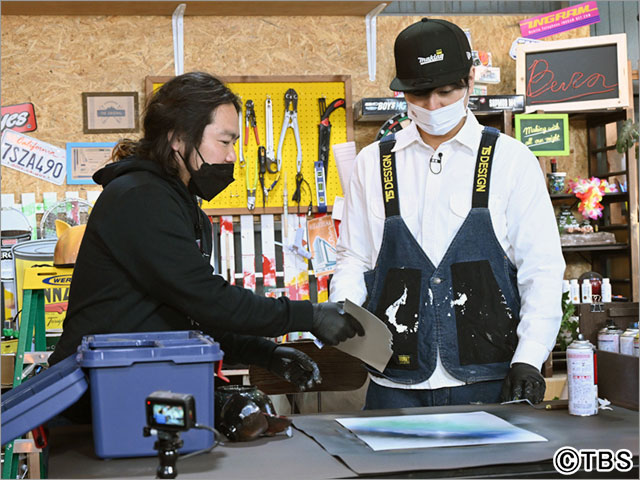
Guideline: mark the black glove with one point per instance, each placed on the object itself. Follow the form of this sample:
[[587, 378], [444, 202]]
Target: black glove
[[295, 367], [523, 381], [332, 325]]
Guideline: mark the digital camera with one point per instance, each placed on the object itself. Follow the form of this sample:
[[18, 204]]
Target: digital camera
[[172, 412]]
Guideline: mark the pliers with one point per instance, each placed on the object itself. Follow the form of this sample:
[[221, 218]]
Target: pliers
[[324, 130], [290, 121], [250, 122]]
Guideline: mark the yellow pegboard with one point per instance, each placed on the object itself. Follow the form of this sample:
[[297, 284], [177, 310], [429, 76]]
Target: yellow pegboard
[[235, 196]]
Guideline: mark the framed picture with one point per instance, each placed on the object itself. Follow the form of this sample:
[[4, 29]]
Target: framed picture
[[83, 159], [574, 75], [110, 112]]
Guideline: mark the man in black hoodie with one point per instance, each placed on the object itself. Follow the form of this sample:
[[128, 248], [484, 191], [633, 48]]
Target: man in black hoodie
[[144, 261]]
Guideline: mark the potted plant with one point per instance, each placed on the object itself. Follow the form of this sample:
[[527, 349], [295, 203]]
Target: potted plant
[[568, 325]]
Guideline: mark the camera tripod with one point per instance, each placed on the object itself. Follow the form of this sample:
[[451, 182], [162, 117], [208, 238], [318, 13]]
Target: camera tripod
[[167, 446]]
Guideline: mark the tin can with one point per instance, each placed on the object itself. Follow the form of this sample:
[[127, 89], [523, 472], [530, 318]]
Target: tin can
[[609, 338], [582, 378], [626, 341]]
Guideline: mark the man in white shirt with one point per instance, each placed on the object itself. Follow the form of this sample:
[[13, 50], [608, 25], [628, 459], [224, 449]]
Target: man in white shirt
[[449, 237]]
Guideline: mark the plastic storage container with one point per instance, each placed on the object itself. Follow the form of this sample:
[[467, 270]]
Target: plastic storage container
[[41, 397], [125, 368]]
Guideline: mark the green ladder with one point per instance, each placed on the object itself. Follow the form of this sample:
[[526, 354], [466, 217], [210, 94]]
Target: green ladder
[[32, 319]]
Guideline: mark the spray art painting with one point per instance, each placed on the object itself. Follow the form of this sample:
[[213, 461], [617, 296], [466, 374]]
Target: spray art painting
[[436, 430]]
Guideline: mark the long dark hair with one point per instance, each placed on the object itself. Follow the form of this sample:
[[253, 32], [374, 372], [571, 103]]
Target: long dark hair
[[184, 105]]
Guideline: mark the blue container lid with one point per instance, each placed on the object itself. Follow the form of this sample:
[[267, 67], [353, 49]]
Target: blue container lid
[[125, 349], [41, 398]]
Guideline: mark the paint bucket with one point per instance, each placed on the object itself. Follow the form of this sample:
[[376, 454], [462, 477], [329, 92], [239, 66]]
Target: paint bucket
[[15, 229], [28, 254]]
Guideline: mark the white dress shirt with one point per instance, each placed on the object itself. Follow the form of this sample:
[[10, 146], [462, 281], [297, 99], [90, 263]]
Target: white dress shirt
[[434, 206]]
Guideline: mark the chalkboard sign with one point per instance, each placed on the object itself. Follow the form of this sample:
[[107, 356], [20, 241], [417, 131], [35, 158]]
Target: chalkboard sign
[[579, 74], [544, 134]]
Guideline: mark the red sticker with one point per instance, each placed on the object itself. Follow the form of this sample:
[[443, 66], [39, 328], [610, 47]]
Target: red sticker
[[19, 118]]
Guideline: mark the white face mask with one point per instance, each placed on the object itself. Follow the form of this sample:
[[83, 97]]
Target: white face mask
[[440, 121]]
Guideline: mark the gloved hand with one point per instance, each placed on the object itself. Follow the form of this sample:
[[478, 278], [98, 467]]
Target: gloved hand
[[332, 325], [523, 381], [295, 367]]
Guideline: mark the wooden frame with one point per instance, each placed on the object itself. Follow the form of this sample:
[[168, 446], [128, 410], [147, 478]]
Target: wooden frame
[[110, 105], [619, 40]]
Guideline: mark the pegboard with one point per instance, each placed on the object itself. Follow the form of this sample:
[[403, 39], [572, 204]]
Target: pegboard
[[233, 200]]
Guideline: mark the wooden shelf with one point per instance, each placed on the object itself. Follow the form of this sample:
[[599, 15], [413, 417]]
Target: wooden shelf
[[608, 197], [613, 247], [195, 8]]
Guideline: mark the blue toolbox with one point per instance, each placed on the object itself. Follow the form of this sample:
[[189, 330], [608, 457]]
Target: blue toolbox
[[122, 370]]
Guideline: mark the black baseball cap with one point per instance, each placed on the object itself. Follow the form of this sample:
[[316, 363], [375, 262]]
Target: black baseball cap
[[430, 54]]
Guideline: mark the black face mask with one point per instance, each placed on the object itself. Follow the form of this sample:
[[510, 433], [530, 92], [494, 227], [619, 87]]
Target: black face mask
[[210, 179]]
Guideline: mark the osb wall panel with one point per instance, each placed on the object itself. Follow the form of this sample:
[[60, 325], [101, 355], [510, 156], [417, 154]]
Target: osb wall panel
[[51, 60]]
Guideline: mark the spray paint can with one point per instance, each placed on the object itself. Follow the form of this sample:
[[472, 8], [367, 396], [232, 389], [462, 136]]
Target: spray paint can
[[626, 340], [609, 337], [582, 378], [574, 291]]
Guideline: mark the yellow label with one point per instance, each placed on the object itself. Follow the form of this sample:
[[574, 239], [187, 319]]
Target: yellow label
[[404, 359], [9, 346], [55, 282]]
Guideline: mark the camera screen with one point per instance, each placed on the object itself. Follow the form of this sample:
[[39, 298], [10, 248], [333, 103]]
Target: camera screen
[[164, 414]]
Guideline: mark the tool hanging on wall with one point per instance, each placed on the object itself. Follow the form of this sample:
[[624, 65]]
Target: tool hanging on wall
[[262, 162], [252, 182], [268, 161], [250, 122], [324, 130], [271, 165], [291, 121], [251, 172], [321, 166], [241, 161]]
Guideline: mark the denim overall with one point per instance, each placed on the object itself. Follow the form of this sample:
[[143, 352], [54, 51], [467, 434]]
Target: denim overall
[[466, 308]]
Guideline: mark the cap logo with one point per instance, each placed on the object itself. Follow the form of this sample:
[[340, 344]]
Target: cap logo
[[436, 57]]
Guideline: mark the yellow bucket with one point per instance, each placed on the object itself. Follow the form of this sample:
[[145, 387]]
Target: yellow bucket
[[40, 252]]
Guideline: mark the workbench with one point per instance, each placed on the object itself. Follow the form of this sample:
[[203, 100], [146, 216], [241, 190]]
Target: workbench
[[345, 456]]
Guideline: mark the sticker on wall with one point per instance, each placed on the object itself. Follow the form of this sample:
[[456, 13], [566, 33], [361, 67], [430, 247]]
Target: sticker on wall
[[19, 118], [560, 20], [487, 74], [33, 157], [521, 41]]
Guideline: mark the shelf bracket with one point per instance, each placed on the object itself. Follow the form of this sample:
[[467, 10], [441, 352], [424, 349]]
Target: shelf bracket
[[370, 21], [177, 22]]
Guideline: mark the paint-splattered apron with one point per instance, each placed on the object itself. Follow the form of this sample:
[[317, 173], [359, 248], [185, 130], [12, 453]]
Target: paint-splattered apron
[[466, 308]]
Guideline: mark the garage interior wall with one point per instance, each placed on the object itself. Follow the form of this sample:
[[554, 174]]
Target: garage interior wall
[[51, 60]]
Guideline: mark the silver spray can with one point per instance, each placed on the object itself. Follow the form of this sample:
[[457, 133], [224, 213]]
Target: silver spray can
[[609, 337], [582, 378]]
